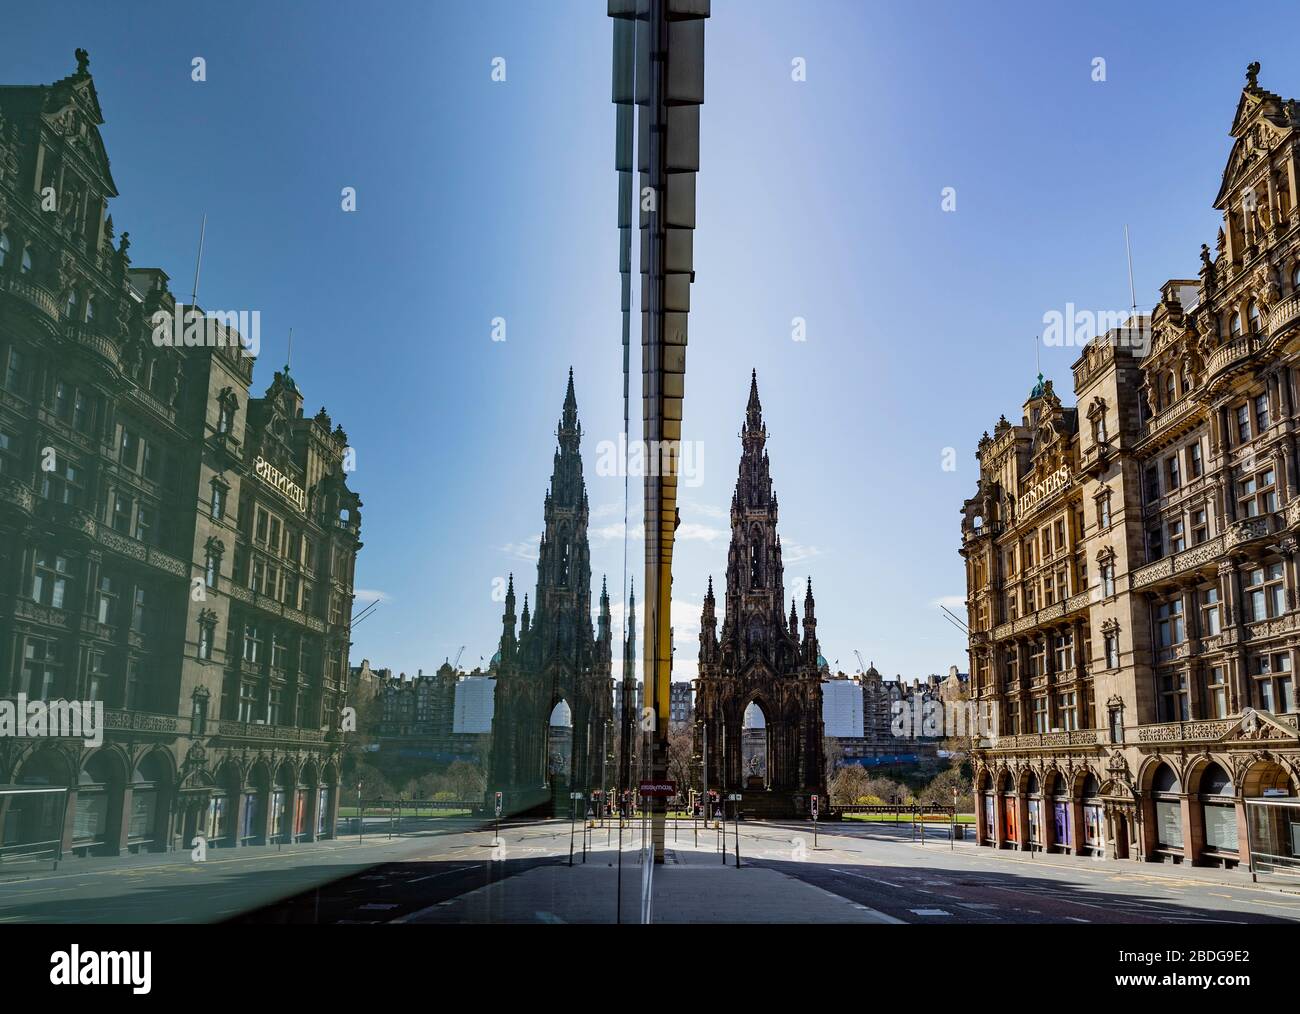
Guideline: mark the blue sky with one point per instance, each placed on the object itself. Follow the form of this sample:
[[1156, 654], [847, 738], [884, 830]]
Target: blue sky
[[818, 199]]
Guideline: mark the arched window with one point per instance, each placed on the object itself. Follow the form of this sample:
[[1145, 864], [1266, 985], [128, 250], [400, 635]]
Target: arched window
[[1252, 316], [1168, 808], [4, 249], [1171, 391], [25, 265], [1219, 811], [1295, 278], [1234, 327]]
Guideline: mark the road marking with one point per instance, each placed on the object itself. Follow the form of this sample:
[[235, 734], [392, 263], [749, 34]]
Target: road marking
[[929, 911]]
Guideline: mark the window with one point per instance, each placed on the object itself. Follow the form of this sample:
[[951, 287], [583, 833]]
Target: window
[[1110, 643], [1012, 602], [247, 702], [1173, 475], [129, 452], [8, 454], [1108, 579], [1049, 590], [16, 372], [1274, 689], [140, 611], [258, 581], [1261, 413], [1063, 650], [1067, 711], [1037, 657], [199, 714], [62, 400], [50, 578], [1265, 592], [1252, 316], [80, 412], [121, 519], [259, 530], [1216, 692], [279, 651], [1234, 326], [1103, 511], [1116, 717], [1040, 714], [106, 606], [1257, 494], [1243, 424], [1155, 545], [1173, 697], [1171, 391], [152, 468], [1169, 623], [1195, 464], [218, 507], [144, 525], [1176, 542], [207, 632], [212, 569], [41, 666], [4, 249], [27, 264], [225, 417], [273, 544], [63, 483], [1200, 527], [252, 644], [1151, 484], [1058, 533], [70, 305], [1210, 615]]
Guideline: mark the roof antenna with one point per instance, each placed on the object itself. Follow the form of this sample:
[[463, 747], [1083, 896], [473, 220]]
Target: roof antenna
[[203, 229], [1132, 293]]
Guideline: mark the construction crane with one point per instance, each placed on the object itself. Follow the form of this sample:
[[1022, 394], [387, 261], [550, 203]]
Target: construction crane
[[456, 664], [862, 666]]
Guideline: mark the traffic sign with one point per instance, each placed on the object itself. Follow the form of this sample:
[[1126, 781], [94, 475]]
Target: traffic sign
[[734, 797]]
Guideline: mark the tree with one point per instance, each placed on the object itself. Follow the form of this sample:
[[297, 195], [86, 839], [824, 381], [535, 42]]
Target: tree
[[681, 751], [940, 790], [833, 752], [849, 783], [466, 779]]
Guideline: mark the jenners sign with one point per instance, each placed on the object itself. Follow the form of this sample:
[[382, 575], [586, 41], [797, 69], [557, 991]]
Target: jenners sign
[[280, 482], [1042, 490]]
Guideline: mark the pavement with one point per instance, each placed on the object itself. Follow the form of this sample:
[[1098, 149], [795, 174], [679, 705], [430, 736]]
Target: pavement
[[461, 872]]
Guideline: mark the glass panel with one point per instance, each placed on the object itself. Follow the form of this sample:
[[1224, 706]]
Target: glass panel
[[1221, 827]]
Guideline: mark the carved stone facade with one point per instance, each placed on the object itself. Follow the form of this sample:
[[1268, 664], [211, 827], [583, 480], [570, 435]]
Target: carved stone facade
[[1131, 572], [759, 657], [170, 546]]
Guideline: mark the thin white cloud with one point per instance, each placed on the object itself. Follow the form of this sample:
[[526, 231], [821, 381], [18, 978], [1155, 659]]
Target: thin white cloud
[[525, 550], [365, 596], [957, 603]]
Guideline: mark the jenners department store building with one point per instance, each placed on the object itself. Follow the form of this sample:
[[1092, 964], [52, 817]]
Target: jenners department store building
[[169, 545], [1132, 561]]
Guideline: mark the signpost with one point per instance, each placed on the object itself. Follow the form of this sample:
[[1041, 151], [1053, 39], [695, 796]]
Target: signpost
[[496, 838], [814, 803], [573, 817], [735, 802]]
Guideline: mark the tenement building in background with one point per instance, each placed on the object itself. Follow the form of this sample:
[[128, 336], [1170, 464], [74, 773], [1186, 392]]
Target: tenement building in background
[[170, 546], [1131, 561], [442, 718]]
